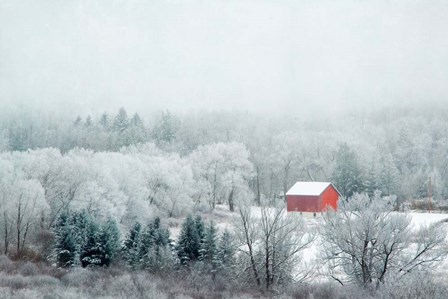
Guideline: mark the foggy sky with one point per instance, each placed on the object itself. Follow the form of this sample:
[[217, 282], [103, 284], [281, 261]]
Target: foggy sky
[[268, 56]]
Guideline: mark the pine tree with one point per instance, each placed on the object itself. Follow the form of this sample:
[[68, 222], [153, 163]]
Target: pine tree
[[371, 180], [207, 252], [77, 121], [189, 241], [136, 121], [104, 121], [131, 246], [65, 248], [155, 249], [165, 131], [80, 222], [225, 253], [200, 227], [92, 250], [347, 174], [88, 122], [121, 121], [110, 241], [388, 175]]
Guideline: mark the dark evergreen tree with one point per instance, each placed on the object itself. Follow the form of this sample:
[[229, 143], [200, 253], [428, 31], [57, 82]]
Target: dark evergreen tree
[[225, 254], [92, 250], [110, 240], [155, 250], [208, 250], [131, 246], [200, 227], [189, 241], [80, 223], [65, 248]]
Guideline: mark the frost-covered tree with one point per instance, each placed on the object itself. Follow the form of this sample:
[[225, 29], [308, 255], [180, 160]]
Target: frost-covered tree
[[165, 130], [208, 249], [65, 248], [225, 253], [92, 251], [223, 171], [189, 242], [131, 246], [155, 249], [271, 245], [366, 243], [121, 121], [347, 174], [24, 209], [109, 237]]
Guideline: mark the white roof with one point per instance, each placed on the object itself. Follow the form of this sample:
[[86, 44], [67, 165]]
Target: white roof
[[308, 188]]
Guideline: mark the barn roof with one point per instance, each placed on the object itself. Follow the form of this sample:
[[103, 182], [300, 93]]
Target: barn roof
[[309, 188]]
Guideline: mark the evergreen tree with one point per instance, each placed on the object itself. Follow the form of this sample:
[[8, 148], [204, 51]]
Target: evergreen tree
[[155, 249], [189, 241], [104, 121], [208, 250], [121, 121], [65, 248], [136, 121], [80, 222], [347, 174], [77, 121], [110, 241], [200, 227], [371, 180], [225, 253], [131, 246], [88, 122], [388, 175], [92, 250], [165, 131]]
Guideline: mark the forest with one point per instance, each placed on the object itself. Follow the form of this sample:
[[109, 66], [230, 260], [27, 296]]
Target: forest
[[174, 196]]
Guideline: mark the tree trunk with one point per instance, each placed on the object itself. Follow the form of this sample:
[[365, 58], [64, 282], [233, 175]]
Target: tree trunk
[[231, 203], [6, 234], [258, 199], [18, 229], [266, 264]]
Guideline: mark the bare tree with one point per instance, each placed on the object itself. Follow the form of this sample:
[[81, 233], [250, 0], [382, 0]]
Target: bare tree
[[365, 242], [271, 244]]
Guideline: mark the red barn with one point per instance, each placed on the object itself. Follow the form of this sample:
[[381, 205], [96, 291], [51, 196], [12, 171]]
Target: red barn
[[312, 197]]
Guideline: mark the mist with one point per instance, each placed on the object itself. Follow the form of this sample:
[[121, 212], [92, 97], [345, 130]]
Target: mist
[[257, 56]]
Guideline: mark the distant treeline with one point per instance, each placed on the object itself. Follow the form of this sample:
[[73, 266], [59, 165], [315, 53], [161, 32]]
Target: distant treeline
[[401, 152]]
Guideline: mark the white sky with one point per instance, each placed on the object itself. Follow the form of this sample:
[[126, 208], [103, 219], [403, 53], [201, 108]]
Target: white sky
[[268, 56]]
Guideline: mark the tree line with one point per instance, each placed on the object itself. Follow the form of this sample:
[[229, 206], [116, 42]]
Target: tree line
[[401, 152]]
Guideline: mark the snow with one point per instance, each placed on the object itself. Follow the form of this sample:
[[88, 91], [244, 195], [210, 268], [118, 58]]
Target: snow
[[308, 188], [419, 219]]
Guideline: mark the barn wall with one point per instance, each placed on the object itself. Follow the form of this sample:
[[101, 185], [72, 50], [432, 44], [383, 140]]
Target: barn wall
[[302, 203], [329, 199]]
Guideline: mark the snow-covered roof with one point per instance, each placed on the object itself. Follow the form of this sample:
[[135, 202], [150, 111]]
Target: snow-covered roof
[[308, 188]]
